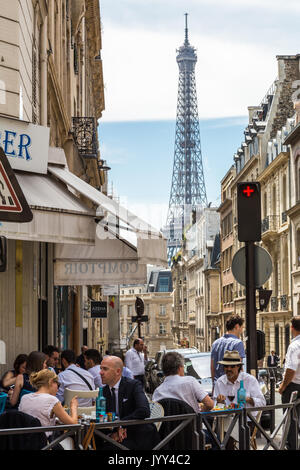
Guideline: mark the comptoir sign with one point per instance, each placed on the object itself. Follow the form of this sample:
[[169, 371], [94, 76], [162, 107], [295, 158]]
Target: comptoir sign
[[92, 272]]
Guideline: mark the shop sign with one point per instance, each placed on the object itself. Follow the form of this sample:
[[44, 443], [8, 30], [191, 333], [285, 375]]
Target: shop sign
[[99, 272], [98, 309], [26, 145]]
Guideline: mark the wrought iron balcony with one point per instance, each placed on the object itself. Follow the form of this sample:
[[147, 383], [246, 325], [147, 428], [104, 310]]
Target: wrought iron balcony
[[274, 304], [85, 136], [284, 302]]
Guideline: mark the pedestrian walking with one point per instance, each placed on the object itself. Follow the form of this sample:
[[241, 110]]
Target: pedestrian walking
[[291, 379], [135, 359], [273, 359], [228, 342]]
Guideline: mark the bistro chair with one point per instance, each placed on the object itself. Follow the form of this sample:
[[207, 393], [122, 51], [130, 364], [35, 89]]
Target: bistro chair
[[69, 394], [156, 411], [3, 398]]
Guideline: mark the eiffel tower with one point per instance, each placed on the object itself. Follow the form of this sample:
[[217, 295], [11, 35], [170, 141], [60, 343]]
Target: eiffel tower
[[188, 192]]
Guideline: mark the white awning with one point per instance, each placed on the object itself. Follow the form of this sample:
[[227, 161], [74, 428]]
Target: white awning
[[108, 262], [150, 244], [58, 215], [105, 203]]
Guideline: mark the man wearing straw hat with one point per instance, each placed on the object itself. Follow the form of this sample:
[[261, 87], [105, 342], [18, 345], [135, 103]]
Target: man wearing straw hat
[[227, 386]]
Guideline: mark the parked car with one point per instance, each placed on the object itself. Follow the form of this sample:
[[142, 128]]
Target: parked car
[[198, 366], [153, 369]]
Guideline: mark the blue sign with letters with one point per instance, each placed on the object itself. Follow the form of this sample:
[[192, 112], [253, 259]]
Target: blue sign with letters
[[26, 145]]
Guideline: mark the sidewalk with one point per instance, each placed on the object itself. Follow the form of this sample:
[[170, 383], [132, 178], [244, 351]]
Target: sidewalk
[[261, 441]]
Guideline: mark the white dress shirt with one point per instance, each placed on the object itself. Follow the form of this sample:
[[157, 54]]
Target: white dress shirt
[[95, 372], [292, 359], [69, 379], [181, 388], [135, 361], [223, 386]]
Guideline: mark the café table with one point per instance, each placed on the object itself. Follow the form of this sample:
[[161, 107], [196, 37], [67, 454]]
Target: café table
[[223, 423]]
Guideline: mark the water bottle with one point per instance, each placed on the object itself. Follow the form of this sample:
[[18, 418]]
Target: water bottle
[[241, 395], [100, 405]]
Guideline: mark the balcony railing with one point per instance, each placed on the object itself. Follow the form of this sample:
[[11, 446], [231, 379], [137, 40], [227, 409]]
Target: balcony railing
[[269, 223], [274, 304], [85, 136], [284, 301]]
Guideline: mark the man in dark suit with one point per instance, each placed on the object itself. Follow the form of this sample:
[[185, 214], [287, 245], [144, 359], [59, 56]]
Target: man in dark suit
[[273, 359], [127, 398]]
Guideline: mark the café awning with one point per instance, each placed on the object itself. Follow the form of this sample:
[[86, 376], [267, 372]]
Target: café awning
[[109, 261], [116, 222], [58, 215]]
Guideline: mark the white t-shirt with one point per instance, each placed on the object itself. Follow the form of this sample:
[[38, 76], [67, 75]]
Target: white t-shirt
[[39, 405], [292, 358], [185, 388]]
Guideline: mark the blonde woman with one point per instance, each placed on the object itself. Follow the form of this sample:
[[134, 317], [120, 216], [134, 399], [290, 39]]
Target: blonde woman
[[43, 404]]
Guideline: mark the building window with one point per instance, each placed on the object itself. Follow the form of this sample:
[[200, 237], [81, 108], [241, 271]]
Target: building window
[[162, 310], [163, 284], [129, 310], [162, 329]]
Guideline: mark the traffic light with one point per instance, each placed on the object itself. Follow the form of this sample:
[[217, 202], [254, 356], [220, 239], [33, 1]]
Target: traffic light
[[139, 306], [263, 298], [260, 342], [249, 211]]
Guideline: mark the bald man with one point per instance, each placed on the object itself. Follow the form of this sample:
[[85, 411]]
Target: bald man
[[126, 397]]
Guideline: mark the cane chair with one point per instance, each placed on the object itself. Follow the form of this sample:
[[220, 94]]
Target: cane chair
[[156, 411]]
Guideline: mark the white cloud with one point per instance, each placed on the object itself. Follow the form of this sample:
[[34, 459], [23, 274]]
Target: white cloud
[[141, 75], [237, 43]]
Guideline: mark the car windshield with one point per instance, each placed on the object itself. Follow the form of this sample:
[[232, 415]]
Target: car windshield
[[198, 367]]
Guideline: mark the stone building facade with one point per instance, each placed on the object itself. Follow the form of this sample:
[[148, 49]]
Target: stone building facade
[[196, 282], [265, 157], [50, 73]]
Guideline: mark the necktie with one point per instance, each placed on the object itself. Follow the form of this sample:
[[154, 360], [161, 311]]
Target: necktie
[[113, 399]]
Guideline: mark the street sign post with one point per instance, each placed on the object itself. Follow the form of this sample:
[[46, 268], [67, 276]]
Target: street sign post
[[249, 231], [143, 318], [139, 309], [263, 266], [98, 309]]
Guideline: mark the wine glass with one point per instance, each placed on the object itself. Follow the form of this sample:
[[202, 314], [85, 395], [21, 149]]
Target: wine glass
[[231, 396]]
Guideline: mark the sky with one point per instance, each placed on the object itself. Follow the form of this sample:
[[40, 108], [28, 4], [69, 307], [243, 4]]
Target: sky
[[237, 43]]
